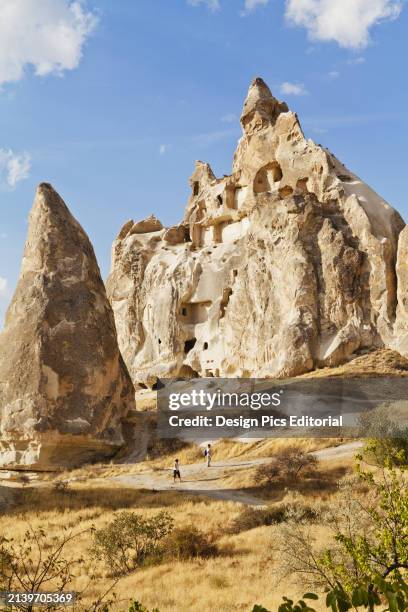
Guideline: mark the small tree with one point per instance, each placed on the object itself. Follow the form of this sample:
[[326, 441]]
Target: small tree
[[369, 554], [293, 460], [34, 564], [287, 465], [130, 539], [386, 438], [189, 543], [394, 595]]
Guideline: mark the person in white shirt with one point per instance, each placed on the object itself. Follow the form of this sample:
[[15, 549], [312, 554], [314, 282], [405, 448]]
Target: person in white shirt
[[176, 471], [208, 455]]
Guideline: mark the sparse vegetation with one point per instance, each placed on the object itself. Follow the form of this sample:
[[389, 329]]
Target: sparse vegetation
[[368, 557], [189, 543], [62, 486], [288, 464], [251, 518], [386, 438], [130, 540], [34, 563], [240, 547]]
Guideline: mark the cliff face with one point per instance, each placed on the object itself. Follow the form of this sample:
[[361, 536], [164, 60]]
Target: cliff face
[[286, 265], [64, 388]]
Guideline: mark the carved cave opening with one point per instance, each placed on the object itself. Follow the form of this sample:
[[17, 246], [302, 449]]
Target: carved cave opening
[[194, 312], [189, 345], [267, 177], [226, 294]]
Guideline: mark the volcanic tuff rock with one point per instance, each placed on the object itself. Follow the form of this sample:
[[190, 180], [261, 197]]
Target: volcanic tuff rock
[[286, 265], [64, 388], [400, 342]]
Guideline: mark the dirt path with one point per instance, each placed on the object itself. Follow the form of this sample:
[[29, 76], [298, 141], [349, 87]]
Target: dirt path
[[200, 480]]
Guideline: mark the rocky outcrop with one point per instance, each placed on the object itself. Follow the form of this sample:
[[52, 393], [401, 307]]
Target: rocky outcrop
[[286, 265], [64, 388], [400, 342]]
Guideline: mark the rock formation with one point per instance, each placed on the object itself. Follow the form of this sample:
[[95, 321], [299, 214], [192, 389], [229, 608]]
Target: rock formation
[[286, 265], [64, 388], [400, 342]]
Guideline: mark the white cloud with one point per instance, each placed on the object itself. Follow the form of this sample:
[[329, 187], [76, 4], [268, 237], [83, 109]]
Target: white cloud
[[251, 5], [293, 89], [46, 34], [229, 118], [354, 61], [334, 74], [14, 168], [212, 5], [163, 149], [3, 286], [346, 22]]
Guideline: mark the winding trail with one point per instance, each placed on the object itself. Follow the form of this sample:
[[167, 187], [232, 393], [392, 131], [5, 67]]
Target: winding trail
[[198, 479]]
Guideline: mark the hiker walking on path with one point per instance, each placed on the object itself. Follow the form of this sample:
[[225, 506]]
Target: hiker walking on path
[[176, 471], [208, 455]]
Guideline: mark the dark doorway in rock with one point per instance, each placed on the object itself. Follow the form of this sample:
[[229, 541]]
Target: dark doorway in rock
[[189, 344], [196, 188], [157, 385], [187, 236], [205, 346], [226, 294]]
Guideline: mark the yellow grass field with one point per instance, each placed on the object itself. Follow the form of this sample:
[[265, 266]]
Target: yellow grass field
[[243, 574]]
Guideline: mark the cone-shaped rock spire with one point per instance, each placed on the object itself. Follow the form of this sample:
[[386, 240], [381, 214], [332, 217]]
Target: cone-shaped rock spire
[[260, 106], [63, 385]]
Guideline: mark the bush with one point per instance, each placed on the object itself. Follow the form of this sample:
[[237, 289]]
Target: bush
[[189, 543], [250, 518], [287, 465], [267, 474], [129, 540], [386, 438], [24, 479], [61, 486]]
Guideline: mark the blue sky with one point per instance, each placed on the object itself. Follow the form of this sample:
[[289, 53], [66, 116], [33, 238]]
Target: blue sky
[[112, 101]]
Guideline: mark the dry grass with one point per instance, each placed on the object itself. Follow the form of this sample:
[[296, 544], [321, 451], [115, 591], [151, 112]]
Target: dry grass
[[240, 577], [193, 453], [234, 449], [383, 362], [244, 574]]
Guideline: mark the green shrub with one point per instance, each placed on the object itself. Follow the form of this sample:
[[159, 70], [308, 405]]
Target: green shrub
[[130, 540], [386, 438], [189, 543]]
